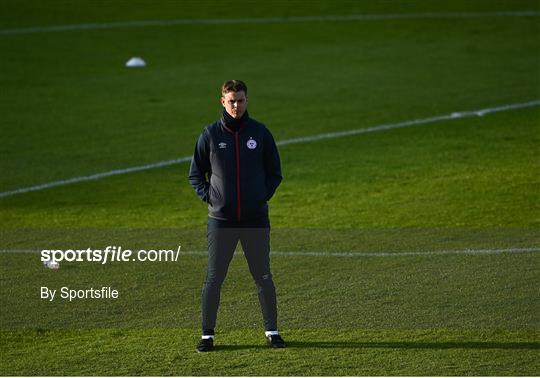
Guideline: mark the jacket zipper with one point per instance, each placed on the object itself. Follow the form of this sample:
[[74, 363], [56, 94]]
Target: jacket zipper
[[238, 197]]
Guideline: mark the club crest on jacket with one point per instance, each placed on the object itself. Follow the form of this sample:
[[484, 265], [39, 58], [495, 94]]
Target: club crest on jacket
[[251, 143]]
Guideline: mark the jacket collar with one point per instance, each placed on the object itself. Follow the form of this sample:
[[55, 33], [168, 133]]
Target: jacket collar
[[232, 124]]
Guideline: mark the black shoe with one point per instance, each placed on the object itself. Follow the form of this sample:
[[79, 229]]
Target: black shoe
[[275, 341], [205, 345]]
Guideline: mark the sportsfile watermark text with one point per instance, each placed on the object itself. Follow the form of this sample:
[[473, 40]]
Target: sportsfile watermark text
[[110, 254]]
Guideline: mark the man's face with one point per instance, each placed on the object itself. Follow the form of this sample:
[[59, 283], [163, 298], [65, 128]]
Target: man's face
[[235, 103]]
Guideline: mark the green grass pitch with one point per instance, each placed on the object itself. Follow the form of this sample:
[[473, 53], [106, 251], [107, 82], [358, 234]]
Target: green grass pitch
[[352, 298]]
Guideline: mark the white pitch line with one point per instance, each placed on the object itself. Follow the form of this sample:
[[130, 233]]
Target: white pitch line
[[96, 176], [312, 138], [354, 254], [410, 253], [263, 20], [387, 254], [414, 122]]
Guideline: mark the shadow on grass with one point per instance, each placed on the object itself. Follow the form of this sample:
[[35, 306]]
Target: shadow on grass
[[390, 345], [415, 345], [239, 347]]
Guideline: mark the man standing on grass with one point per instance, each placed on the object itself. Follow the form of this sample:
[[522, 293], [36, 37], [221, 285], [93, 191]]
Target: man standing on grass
[[236, 170]]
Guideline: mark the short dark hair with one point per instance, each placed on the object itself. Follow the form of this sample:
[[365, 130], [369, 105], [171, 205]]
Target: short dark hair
[[233, 86]]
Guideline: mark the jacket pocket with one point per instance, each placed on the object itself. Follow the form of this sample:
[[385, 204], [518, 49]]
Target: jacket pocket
[[209, 197], [216, 196], [215, 199]]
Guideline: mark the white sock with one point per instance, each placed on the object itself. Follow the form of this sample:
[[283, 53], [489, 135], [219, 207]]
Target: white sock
[[270, 333], [205, 337]]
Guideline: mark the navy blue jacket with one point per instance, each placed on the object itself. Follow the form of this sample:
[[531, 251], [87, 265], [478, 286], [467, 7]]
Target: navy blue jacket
[[236, 171]]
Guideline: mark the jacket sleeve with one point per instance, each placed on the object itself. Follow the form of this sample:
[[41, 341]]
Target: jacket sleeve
[[272, 165], [200, 168]]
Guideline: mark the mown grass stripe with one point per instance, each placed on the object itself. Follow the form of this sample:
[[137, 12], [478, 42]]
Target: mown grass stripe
[[263, 20], [312, 138], [352, 254]]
